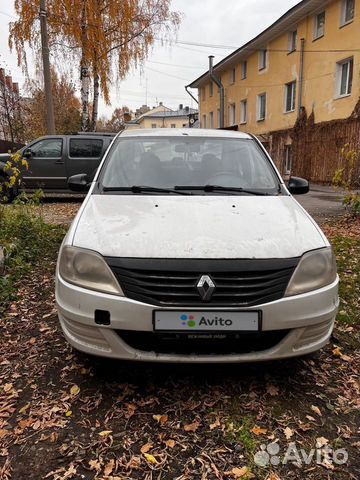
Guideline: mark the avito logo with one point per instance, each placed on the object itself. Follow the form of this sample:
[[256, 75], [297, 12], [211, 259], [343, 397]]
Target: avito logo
[[188, 320], [215, 322]]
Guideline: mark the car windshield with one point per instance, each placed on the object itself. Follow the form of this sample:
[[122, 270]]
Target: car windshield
[[181, 163]]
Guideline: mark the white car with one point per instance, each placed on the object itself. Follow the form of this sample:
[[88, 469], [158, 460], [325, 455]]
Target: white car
[[189, 247]]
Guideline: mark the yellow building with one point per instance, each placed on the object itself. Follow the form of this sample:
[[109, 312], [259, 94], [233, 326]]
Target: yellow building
[[164, 117], [306, 63], [266, 72]]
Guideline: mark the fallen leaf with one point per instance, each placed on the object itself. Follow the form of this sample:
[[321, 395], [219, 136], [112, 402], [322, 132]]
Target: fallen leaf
[[273, 390], [95, 465], [240, 472], [145, 448], [316, 409], [288, 433], [162, 419], [337, 352], [215, 424], [74, 390], [170, 443], [8, 387], [24, 408], [109, 467], [192, 427], [259, 431], [150, 458], [68, 413], [105, 433], [321, 441]]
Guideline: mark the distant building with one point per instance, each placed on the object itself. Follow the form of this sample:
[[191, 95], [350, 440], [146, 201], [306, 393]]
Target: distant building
[[164, 117], [9, 106]]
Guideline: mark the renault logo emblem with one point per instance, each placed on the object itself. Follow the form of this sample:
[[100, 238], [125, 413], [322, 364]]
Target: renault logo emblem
[[205, 287]]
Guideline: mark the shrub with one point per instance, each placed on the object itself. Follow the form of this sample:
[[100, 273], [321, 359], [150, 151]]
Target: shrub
[[11, 178], [344, 176]]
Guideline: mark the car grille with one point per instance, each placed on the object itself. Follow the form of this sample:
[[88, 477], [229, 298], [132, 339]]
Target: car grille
[[173, 282], [202, 344]]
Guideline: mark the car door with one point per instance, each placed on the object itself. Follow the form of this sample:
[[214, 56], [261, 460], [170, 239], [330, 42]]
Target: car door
[[85, 154], [46, 164]]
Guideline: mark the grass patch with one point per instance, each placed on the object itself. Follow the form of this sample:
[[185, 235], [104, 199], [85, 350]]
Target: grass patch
[[347, 255], [27, 241]]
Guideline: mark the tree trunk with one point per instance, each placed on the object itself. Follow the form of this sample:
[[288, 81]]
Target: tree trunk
[[84, 73], [95, 109]]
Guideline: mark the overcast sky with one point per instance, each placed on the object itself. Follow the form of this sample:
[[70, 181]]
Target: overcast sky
[[169, 69]]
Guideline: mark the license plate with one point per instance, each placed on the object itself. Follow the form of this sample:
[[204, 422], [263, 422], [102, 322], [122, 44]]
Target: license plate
[[207, 321]]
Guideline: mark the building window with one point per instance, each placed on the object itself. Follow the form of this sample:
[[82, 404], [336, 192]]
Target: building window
[[290, 96], [218, 117], [211, 120], [319, 25], [243, 111], [345, 77], [173, 125], [211, 89], [261, 107], [292, 41], [244, 70], [232, 76], [288, 159], [347, 11], [204, 121], [232, 114], [153, 125], [184, 125], [263, 59]]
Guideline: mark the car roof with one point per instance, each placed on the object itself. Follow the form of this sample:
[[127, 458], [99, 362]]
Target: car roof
[[183, 132]]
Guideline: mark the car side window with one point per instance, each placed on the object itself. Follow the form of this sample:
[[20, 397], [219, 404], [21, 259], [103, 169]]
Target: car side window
[[49, 148], [85, 148]]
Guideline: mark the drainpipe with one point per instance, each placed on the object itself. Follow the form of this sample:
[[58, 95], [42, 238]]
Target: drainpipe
[[191, 95], [221, 88], [301, 75]]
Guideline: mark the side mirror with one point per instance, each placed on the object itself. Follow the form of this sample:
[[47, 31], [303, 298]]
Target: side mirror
[[27, 153], [78, 183], [298, 186]]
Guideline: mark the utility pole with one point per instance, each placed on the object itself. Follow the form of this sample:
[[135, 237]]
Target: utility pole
[[46, 69]]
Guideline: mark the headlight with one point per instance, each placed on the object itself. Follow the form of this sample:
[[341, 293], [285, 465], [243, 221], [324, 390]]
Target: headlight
[[315, 270], [87, 269]]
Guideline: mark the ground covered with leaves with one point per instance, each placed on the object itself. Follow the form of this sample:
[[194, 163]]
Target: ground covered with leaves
[[66, 416]]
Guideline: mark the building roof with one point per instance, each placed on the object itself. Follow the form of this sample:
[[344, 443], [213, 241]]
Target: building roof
[[183, 132], [184, 112], [287, 21]]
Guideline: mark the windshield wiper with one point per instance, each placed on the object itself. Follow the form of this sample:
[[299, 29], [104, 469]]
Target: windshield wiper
[[144, 188], [219, 188]]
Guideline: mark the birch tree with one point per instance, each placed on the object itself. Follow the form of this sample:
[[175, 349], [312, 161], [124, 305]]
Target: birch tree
[[106, 37]]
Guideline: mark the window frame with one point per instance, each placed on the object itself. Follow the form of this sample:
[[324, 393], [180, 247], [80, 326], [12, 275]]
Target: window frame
[[260, 118], [243, 111], [244, 69], [85, 139], [291, 85], [153, 125], [211, 89], [232, 114], [349, 77], [318, 35], [203, 121], [232, 76], [47, 140], [211, 120], [292, 47], [263, 59], [343, 21]]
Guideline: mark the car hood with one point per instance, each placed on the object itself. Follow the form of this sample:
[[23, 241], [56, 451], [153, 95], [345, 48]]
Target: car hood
[[206, 226]]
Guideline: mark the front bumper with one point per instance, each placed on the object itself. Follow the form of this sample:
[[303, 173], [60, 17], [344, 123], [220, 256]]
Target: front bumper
[[309, 318]]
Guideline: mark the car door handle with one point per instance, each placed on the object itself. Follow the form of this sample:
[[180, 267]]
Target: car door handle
[[59, 162]]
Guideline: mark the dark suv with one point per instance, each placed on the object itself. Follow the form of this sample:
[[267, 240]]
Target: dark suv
[[54, 158]]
